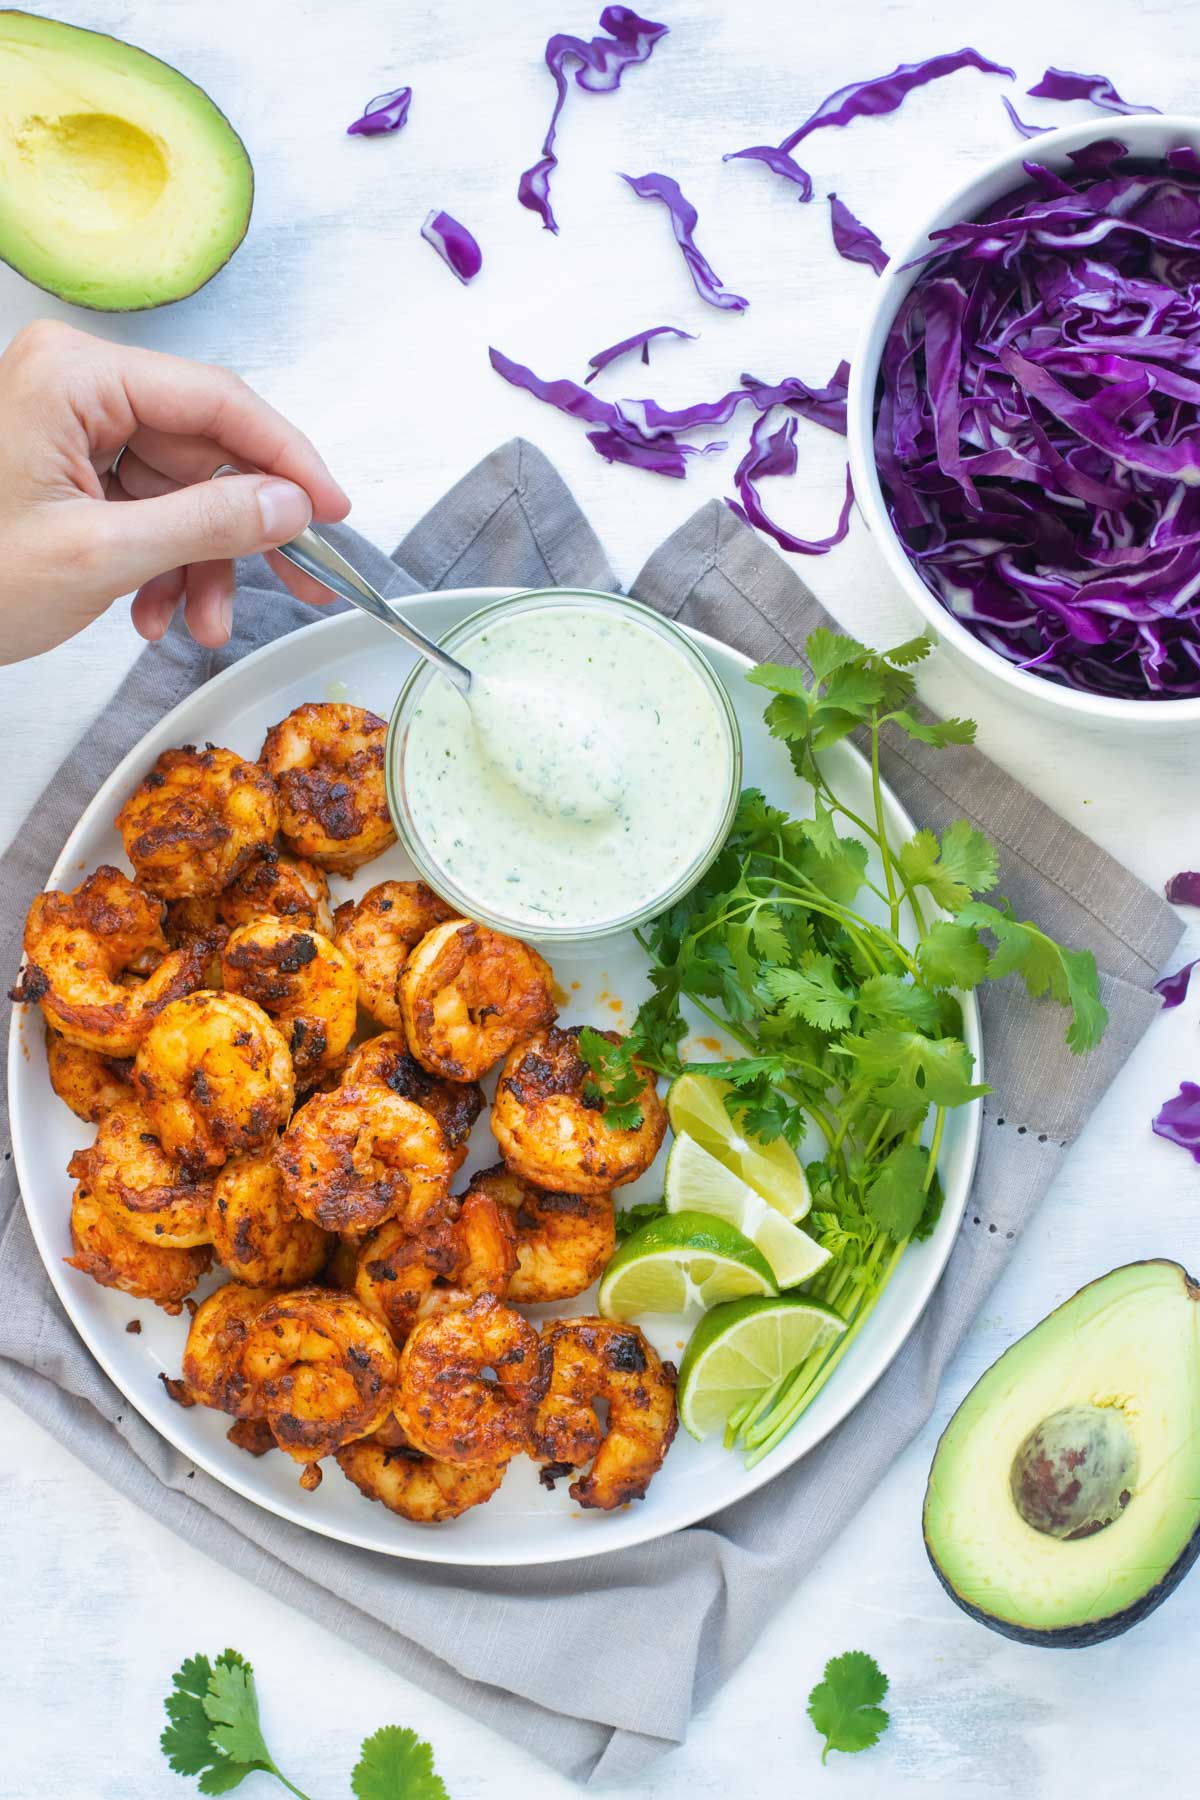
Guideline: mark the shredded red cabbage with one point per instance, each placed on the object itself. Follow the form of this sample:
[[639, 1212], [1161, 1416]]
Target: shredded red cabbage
[[1064, 84], [640, 340], [774, 453], [649, 436], [387, 112], [1038, 425], [1026, 130], [1173, 988], [599, 63], [861, 99], [684, 218], [1184, 889], [854, 240], [454, 244], [1179, 1119]]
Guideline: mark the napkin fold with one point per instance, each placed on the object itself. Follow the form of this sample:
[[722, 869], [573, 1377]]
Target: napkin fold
[[597, 1665]]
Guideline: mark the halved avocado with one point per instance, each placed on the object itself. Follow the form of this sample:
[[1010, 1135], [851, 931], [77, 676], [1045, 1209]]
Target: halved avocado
[[121, 185], [1064, 1498]]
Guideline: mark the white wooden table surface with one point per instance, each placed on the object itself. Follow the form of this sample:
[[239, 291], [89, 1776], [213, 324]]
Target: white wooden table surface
[[345, 319]]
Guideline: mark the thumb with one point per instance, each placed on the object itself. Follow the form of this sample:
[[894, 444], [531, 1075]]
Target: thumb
[[236, 516]]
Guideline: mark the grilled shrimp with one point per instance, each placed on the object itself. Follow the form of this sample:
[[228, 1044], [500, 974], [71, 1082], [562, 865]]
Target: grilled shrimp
[[454, 1104], [326, 1371], [90, 1084], [215, 1076], [551, 1132], [447, 1405], [563, 1240], [257, 1232], [214, 1372], [116, 1259], [404, 1276], [274, 886], [467, 995], [78, 945], [342, 1266], [590, 1360], [378, 932], [354, 1157], [196, 820], [146, 1191], [328, 763], [416, 1486], [303, 982]]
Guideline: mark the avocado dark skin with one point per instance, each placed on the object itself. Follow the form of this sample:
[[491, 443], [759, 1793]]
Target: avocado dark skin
[[1079, 1637], [1072, 1468]]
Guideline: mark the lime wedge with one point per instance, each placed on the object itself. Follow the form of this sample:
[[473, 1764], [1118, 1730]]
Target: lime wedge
[[684, 1261], [697, 1182], [740, 1350], [696, 1105]]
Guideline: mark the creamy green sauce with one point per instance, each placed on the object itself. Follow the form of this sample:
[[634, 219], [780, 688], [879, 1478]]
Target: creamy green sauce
[[594, 775]]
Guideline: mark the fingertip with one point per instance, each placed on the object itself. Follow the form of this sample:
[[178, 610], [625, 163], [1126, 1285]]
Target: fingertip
[[208, 609]]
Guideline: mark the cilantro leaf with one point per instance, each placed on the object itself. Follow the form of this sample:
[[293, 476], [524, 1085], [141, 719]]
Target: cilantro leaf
[[231, 1706], [962, 865], [629, 1219], [895, 1199], [909, 1071], [190, 1742], [938, 732], [828, 651], [891, 1000], [1068, 976], [615, 1081], [781, 678], [951, 955], [787, 716], [811, 993], [844, 1705], [396, 1764], [913, 650], [839, 877]]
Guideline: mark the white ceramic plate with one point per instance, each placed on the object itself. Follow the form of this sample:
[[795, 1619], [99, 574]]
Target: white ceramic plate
[[348, 657]]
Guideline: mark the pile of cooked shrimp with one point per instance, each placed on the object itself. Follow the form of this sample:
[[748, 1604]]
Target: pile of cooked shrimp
[[208, 1017]]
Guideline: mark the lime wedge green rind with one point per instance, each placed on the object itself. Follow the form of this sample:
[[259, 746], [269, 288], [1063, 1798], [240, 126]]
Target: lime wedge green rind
[[697, 1181], [696, 1106], [740, 1350], [675, 1264]]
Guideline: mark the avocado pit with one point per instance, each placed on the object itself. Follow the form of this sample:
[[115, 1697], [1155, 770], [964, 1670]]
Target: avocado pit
[[103, 172], [1075, 1472]]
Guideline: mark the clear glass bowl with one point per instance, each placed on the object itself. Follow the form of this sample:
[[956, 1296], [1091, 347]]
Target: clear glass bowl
[[485, 908]]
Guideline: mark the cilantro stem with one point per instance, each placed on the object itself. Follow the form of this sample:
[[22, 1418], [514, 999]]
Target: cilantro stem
[[935, 1145], [889, 873], [814, 1372]]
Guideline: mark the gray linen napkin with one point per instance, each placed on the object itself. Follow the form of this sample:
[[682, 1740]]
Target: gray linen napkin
[[597, 1665]]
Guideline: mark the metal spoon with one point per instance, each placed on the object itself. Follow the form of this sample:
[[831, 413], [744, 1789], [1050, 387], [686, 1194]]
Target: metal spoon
[[314, 555]]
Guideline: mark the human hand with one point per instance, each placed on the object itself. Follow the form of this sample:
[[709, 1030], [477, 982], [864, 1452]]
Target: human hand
[[76, 535]]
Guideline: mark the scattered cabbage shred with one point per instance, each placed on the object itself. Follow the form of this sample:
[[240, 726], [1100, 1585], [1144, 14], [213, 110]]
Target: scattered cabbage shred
[[387, 112], [862, 99], [1038, 424], [597, 65], [854, 240], [641, 340], [454, 244], [684, 219]]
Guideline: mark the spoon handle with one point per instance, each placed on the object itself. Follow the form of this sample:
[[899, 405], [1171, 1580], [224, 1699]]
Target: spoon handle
[[316, 556]]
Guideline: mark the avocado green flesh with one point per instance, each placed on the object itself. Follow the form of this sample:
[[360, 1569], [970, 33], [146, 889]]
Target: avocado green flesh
[[121, 185], [1130, 1341]]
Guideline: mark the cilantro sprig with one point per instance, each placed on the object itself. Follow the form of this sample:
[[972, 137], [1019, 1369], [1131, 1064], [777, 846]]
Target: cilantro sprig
[[614, 1083], [830, 953], [216, 1735], [844, 1705]]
